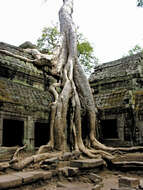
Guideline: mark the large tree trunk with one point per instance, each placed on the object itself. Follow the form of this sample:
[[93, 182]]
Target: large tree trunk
[[75, 95]]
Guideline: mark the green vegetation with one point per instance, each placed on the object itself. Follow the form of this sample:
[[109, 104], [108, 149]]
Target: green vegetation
[[140, 3], [136, 49], [50, 39], [86, 54]]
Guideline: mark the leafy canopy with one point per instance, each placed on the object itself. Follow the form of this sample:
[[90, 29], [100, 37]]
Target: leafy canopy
[[50, 39], [136, 49], [140, 3]]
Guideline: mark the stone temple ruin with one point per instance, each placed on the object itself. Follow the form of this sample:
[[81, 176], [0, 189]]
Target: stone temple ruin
[[25, 100], [24, 104], [118, 92]]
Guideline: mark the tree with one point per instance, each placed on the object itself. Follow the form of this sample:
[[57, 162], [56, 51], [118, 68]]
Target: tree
[[134, 50], [72, 103], [75, 90], [140, 3], [86, 56], [50, 39]]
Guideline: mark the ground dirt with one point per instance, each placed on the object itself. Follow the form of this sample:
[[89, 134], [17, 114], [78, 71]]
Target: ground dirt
[[110, 180]]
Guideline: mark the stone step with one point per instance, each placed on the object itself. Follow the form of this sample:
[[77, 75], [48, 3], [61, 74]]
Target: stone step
[[20, 178], [87, 164], [97, 187], [128, 182], [68, 171], [123, 188], [9, 181]]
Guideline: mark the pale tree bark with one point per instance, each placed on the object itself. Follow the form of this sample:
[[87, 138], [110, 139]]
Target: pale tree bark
[[76, 90], [74, 96]]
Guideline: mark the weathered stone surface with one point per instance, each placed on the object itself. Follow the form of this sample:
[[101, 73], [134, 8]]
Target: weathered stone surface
[[31, 98], [26, 177], [141, 184], [71, 155], [118, 68], [4, 165], [20, 178], [128, 182], [27, 44], [63, 171], [72, 171], [51, 161], [37, 175], [59, 184], [123, 188], [62, 164], [117, 88], [68, 171], [50, 164], [46, 175], [29, 177], [88, 163], [94, 178], [97, 187], [67, 156], [9, 181], [23, 93], [6, 152]]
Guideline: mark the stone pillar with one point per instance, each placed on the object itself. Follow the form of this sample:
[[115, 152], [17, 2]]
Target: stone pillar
[[25, 137], [29, 133], [120, 126], [1, 130]]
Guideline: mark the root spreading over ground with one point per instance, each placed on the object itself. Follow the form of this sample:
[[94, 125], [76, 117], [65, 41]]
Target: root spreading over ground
[[74, 96]]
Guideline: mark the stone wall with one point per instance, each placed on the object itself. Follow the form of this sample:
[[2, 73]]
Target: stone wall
[[118, 90], [123, 67], [18, 70], [24, 97]]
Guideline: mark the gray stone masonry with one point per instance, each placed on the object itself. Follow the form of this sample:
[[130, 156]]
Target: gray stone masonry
[[68, 171], [117, 88], [97, 187], [128, 182], [21, 178], [124, 188], [9, 181], [88, 163]]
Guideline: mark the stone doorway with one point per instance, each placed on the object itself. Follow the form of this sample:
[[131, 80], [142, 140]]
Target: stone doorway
[[109, 129], [41, 133], [13, 132]]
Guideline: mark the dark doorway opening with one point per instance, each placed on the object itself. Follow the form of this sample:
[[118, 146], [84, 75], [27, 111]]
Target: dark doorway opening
[[85, 126], [109, 129], [42, 134], [13, 132]]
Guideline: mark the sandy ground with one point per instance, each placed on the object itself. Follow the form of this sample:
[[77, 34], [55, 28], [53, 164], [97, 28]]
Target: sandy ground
[[110, 180]]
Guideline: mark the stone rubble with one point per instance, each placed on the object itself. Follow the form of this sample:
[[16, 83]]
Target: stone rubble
[[129, 183], [75, 170]]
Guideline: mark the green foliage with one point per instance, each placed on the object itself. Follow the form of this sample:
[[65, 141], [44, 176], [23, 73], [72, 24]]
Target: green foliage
[[134, 50], [84, 48], [50, 38], [140, 3], [86, 54]]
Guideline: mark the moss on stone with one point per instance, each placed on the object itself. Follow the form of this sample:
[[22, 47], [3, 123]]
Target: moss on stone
[[4, 95]]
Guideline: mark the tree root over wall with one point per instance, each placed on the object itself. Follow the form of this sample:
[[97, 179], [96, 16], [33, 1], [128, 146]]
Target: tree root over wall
[[74, 96]]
